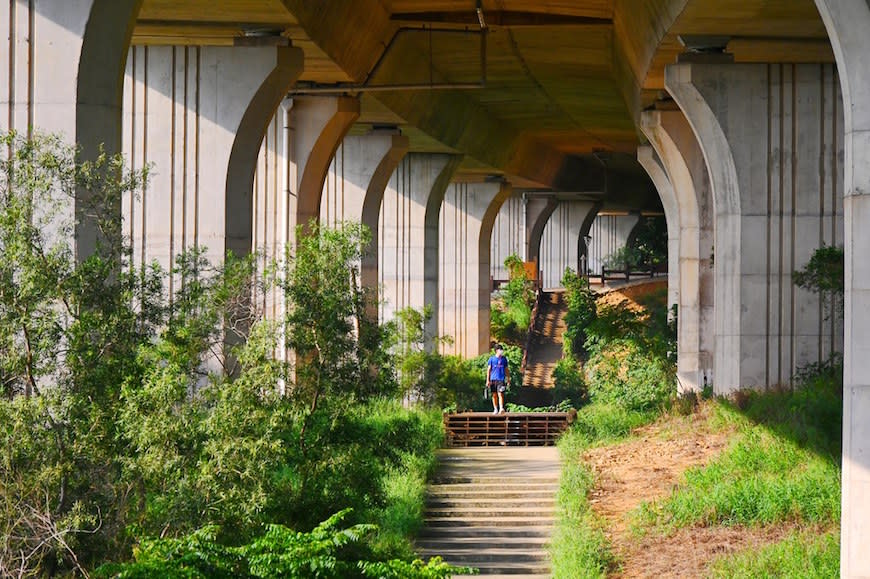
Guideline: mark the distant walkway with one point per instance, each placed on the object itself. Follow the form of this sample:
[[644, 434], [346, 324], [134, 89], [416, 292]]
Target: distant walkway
[[545, 346], [494, 509]]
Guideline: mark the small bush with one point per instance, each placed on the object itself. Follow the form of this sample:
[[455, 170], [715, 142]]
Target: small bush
[[569, 384], [621, 373]]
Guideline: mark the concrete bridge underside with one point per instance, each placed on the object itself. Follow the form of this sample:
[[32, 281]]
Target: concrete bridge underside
[[745, 122]]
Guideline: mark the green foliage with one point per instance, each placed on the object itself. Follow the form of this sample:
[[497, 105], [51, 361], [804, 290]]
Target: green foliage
[[804, 555], [328, 551], [124, 416], [648, 248], [824, 273], [623, 374], [580, 314], [631, 360], [511, 313], [569, 387]]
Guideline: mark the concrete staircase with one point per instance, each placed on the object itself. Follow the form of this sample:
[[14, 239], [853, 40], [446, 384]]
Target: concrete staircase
[[493, 509], [545, 345]]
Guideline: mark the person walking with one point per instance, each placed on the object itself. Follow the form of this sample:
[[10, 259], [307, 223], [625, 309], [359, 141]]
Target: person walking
[[498, 376]]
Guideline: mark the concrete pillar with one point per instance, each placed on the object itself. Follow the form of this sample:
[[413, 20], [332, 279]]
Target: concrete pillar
[[609, 233], [671, 136], [560, 241], [538, 212], [467, 218], [199, 116], [649, 160], [64, 75], [847, 22], [772, 139], [407, 234], [508, 235]]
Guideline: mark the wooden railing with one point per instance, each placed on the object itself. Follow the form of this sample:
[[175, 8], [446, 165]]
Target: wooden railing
[[511, 429]]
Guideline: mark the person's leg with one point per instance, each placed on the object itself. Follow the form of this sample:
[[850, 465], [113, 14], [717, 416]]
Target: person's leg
[[494, 400], [501, 401]]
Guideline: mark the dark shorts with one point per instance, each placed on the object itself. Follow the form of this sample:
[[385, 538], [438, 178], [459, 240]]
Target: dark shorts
[[496, 386]]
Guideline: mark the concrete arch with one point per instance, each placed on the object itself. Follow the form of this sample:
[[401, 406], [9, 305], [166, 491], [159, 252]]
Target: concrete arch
[[371, 209], [727, 227], [539, 212], [847, 23], [99, 93], [677, 148], [329, 119], [582, 244], [651, 162], [431, 238], [246, 148]]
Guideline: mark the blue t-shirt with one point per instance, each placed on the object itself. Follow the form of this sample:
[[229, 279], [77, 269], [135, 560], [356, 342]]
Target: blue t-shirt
[[498, 367]]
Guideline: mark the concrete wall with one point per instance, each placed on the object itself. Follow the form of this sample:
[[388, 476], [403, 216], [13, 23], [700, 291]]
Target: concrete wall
[[609, 233], [508, 235], [560, 243], [772, 137]]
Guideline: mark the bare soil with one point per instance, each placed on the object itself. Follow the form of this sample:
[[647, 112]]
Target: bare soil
[[648, 467]]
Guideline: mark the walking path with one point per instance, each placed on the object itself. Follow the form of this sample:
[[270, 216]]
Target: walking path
[[494, 509], [545, 347]]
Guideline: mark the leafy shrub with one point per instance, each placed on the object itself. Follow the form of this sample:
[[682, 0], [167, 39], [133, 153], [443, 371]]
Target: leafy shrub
[[511, 312], [325, 552], [801, 554], [623, 374], [581, 312], [569, 384]]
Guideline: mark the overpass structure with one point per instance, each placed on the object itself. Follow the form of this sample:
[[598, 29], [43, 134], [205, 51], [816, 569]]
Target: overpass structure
[[459, 130]]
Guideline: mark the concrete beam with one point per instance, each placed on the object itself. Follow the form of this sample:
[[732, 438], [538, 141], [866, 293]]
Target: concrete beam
[[560, 241], [847, 22]]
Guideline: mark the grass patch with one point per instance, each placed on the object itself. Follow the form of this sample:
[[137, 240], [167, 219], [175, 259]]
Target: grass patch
[[782, 466], [801, 555], [600, 422], [579, 548]]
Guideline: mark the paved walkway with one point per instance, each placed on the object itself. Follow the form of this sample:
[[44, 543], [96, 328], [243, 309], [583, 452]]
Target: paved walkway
[[494, 509]]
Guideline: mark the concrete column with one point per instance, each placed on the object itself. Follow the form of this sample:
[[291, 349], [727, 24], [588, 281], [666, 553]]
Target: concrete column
[[64, 75], [777, 195], [560, 241], [538, 212], [672, 138], [467, 218], [847, 22], [407, 234], [649, 160], [199, 115], [609, 233]]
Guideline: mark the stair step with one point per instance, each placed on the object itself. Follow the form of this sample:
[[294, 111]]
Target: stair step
[[489, 502], [495, 533], [489, 521], [492, 511], [448, 491], [506, 568], [473, 557], [449, 542]]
